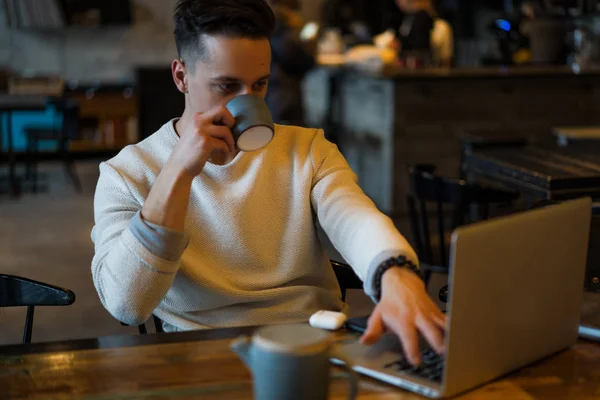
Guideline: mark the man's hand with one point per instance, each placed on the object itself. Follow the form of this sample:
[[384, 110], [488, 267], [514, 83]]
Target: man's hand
[[206, 134], [406, 309]]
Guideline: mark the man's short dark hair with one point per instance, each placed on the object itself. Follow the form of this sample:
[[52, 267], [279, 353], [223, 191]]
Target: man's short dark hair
[[252, 19]]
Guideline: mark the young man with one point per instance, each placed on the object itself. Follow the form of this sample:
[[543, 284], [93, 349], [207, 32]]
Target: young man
[[202, 235]]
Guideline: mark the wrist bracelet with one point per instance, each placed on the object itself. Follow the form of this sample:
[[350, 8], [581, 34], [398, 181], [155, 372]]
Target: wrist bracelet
[[394, 262]]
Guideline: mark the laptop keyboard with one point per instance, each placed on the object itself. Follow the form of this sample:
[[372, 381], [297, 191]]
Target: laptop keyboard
[[431, 368]]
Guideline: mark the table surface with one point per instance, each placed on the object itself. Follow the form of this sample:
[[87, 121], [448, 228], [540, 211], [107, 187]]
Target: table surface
[[578, 132], [194, 365], [546, 170], [590, 312]]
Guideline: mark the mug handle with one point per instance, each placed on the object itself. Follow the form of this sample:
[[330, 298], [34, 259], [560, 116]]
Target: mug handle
[[352, 377]]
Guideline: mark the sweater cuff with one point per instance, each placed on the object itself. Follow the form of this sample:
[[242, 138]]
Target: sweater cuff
[[370, 284], [162, 242]]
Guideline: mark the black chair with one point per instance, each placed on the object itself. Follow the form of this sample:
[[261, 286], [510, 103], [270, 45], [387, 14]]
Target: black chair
[[21, 292], [345, 275], [446, 196], [58, 135]]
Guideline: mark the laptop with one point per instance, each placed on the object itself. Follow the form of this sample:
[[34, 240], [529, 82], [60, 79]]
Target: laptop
[[516, 287]]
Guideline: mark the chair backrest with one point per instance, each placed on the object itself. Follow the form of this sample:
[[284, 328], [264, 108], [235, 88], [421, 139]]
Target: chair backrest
[[16, 291], [346, 277], [445, 195]]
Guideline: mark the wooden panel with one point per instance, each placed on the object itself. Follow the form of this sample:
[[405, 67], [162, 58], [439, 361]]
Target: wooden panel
[[367, 139], [106, 105], [315, 89], [370, 102], [553, 101], [114, 116], [452, 101]]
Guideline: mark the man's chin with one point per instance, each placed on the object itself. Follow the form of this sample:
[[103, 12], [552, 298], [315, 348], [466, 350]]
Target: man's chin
[[222, 158]]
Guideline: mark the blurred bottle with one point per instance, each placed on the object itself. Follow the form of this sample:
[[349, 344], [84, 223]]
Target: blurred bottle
[[331, 42], [547, 36]]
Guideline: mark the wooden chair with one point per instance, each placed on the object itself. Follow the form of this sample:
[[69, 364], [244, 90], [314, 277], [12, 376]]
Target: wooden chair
[[346, 277], [446, 195], [16, 291], [60, 135]]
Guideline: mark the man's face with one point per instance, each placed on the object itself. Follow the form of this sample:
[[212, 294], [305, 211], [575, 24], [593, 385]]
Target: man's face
[[231, 67]]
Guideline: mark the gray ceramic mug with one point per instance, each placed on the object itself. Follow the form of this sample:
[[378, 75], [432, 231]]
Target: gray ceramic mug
[[254, 127], [291, 362]]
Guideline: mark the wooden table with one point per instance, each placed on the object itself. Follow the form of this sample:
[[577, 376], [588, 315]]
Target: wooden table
[[8, 104], [583, 134], [547, 173], [590, 316], [550, 173], [199, 365]]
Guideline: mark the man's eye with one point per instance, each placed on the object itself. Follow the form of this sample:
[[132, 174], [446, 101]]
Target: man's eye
[[229, 87], [260, 85]]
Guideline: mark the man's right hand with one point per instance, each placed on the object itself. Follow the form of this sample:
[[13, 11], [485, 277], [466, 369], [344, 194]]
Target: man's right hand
[[206, 134], [199, 140]]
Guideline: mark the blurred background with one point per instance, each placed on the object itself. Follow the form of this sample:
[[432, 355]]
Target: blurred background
[[394, 83]]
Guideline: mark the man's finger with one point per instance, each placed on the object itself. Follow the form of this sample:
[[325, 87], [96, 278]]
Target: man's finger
[[216, 116], [218, 145], [374, 330], [436, 311], [406, 330], [440, 320], [433, 334], [220, 116], [223, 133]]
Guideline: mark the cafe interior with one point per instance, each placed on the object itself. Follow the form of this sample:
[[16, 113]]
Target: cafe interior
[[474, 125]]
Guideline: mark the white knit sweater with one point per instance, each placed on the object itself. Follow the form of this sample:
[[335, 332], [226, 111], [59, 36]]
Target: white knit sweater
[[253, 256]]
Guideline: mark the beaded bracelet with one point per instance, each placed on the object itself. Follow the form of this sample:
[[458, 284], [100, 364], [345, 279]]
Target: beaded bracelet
[[400, 262]]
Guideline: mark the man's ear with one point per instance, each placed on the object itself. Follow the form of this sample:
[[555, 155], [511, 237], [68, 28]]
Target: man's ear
[[180, 75]]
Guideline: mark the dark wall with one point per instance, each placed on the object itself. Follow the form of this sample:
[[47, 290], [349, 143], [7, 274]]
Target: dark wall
[[158, 99]]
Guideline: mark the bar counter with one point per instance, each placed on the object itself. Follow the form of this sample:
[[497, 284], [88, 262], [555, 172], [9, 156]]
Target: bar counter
[[385, 121]]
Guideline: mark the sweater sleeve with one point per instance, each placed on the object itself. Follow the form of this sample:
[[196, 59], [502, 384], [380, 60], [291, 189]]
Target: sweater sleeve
[[362, 234], [131, 278]]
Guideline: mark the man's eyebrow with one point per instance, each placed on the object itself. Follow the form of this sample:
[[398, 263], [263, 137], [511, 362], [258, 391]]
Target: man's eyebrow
[[233, 79], [226, 79], [267, 76]]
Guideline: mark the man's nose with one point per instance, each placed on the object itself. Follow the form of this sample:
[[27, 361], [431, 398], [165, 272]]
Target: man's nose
[[250, 90], [247, 90]]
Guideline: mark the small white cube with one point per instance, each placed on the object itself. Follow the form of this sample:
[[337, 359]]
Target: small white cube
[[329, 320]]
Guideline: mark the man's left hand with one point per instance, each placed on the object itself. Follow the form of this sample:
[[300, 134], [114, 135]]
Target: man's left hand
[[407, 310]]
